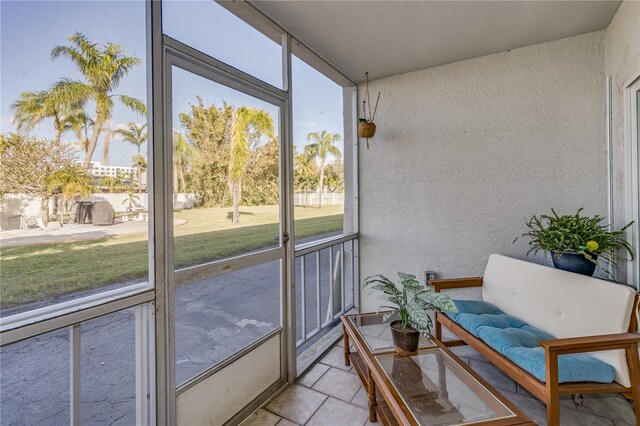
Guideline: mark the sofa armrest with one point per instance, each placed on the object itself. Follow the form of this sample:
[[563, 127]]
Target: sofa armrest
[[603, 342], [455, 283]]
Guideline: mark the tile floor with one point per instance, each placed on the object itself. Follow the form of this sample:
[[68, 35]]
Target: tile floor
[[330, 394]]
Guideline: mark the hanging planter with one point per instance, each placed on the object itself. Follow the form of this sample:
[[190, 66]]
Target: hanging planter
[[366, 129], [366, 126]]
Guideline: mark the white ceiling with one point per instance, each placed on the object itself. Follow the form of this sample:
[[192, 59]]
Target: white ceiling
[[394, 37]]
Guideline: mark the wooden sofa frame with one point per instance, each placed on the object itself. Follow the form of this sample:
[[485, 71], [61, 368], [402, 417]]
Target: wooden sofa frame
[[550, 392]]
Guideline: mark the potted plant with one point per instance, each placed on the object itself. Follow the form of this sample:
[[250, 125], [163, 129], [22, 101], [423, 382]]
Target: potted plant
[[411, 301], [577, 243]]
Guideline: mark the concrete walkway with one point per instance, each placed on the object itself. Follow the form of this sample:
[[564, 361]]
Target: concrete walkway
[[74, 232]]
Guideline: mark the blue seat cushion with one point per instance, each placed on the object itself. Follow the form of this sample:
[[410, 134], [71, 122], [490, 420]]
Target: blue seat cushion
[[518, 341]]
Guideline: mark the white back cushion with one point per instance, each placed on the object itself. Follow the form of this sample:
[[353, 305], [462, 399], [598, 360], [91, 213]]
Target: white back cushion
[[561, 303]]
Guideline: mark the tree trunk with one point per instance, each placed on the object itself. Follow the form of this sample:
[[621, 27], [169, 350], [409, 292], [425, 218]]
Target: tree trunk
[[140, 174], [65, 209], [175, 178], [92, 144], [106, 145], [321, 183], [58, 203], [44, 210], [236, 192], [56, 126], [86, 141], [183, 182]]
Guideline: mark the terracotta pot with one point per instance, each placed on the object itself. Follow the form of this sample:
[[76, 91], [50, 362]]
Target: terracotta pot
[[405, 339], [366, 130]]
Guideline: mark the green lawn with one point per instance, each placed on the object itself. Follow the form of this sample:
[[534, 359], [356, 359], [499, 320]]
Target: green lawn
[[37, 272]]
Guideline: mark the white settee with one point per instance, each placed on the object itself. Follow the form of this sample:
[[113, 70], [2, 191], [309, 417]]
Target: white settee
[[584, 315]]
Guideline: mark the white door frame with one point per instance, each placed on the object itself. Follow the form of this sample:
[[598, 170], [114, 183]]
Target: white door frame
[[179, 55], [632, 172]]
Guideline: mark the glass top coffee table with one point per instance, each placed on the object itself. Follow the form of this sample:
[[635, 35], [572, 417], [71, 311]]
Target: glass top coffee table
[[429, 387]]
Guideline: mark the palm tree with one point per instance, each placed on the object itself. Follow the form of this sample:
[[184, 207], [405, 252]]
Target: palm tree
[[130, 200], [80, 123], [184, 154], [140, 163], [103, 68], [111, 183], [322, 144], [71, 181], [305, 171], [247, 123], [33, 107], [135, 134]]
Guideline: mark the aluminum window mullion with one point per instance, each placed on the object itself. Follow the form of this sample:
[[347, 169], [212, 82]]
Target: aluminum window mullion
[[303, 299], [184, 56], [329, 317], [141, 361], [74, 305], [318, 293], [36, 326], [342, 287], [356, 273], [161, 245], [219, 267], [286, 174], [152, 366], [313, 246], [75, 371], [71, 306], [354, 282]]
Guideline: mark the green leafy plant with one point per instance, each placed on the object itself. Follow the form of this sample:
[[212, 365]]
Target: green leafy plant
[[585, 235], [411, 300], [130, 199]]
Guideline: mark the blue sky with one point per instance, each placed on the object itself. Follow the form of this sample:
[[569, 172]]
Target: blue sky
[[30, 29]]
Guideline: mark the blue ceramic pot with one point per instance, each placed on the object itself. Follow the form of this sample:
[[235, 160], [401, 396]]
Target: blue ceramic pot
[[574, 262]]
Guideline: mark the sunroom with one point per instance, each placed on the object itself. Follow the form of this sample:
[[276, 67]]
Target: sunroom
[[194, 194]]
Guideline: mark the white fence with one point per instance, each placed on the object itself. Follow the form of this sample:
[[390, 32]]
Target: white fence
[[12, 206], [117, 200], [313, 199]]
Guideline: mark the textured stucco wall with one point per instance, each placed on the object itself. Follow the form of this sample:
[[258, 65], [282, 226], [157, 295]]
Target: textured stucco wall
[[465, 153], [622, 45]]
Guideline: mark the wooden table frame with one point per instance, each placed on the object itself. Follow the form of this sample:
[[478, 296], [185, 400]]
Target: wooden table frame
[[376, 379]]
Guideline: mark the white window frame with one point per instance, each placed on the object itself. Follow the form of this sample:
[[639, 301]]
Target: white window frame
[[157, 291], [632, 173]]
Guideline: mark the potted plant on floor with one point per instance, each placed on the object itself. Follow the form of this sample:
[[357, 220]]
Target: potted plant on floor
[[411, 301], [578, 243]]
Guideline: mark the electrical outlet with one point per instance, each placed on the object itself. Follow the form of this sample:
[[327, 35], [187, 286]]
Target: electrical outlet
[[429, 275]]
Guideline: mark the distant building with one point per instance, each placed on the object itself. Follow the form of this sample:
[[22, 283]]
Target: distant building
[[97, 169]]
